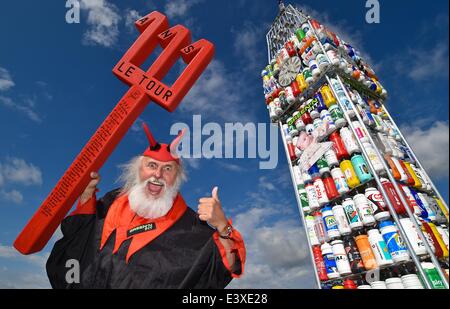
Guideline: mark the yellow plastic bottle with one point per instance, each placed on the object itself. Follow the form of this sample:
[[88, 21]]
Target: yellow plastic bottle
[[327, 95], [350, 174], [438, 237], [442, 207], [302, 84], [417, 183]]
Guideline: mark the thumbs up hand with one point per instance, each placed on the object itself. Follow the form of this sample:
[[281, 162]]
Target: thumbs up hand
[[210, 210]]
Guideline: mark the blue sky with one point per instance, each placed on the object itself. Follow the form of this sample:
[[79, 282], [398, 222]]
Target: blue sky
[[56, 87]]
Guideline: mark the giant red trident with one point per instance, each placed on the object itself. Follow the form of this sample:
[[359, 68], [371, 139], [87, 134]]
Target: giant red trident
[[145, 86]]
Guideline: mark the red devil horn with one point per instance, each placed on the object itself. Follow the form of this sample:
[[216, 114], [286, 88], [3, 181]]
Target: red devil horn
[[174, 144], [149, 134]]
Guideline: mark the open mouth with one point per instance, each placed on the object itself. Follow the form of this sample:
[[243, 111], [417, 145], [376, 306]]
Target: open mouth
[[154, 187]]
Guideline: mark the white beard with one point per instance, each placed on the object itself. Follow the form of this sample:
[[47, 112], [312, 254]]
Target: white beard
[[146, 206]]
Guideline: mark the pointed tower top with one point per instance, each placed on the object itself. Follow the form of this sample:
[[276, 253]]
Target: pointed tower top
[[281, 5]]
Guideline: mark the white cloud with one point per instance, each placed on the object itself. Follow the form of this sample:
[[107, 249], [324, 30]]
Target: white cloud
[[13, 196], [218, 95], [6, 81], [37, 259], [277, 252], [193, 163], [277, 255], [266, 184], [247, 48], [103, 21], [16, 170], [421, 64], [231, 167], [131, 16], [431, 146], [27, 108], [17, 279], [179, 8], [422, 61]]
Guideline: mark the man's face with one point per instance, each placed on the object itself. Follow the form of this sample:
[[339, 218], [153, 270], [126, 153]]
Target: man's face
[[164, 173]]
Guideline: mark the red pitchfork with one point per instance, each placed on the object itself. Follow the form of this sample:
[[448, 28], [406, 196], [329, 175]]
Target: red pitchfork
[[145, 86]]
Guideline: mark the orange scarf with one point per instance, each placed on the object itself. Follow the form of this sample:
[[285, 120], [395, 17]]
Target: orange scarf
[[128, 224]]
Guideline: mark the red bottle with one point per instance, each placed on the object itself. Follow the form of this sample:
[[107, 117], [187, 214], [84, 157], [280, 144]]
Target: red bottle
[[330, 186], [291, 149], [438, 250], [276, 92], [320, 264], [315, 24], [290, 48], [306, 117], [339, 147], [410, 199], [393, 197], [350, 285], [295, 89]]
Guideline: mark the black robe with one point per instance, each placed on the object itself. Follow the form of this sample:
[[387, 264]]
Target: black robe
[[184, 256]]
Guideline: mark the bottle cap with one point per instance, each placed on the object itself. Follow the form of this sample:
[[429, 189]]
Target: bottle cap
[[326, 208], [349, 284], [313, 170], [326, 175], [385, 223], [372, 231]]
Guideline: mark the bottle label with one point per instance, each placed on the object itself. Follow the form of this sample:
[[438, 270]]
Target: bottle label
[[330, 264], [352, 214], [304, 199], [395, 244], [330, 223], [376, 201], [384, 250]]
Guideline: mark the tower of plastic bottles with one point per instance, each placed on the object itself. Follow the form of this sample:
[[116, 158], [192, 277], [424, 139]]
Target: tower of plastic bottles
[[372, 215]]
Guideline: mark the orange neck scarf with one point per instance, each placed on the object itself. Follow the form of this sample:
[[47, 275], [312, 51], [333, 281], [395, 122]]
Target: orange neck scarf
[[128, 224]]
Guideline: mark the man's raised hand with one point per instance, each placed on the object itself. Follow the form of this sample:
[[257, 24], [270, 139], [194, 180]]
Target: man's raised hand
[[90, 189], [210, 210]]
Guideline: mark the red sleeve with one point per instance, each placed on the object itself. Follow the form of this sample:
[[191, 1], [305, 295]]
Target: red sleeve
[[88, 208], [238, 248]]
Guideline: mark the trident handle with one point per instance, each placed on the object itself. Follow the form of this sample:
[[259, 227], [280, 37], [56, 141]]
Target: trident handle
[[97, 150]]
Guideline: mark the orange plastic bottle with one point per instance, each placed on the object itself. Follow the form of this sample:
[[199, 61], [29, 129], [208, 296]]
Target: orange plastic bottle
[[394, 169], [367, 256]]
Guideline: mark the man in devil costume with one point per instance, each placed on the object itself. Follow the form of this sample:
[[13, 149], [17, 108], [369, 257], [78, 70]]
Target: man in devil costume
[[144, 236]]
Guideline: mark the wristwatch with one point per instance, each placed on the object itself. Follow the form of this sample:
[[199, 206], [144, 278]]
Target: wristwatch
[[229, 230]]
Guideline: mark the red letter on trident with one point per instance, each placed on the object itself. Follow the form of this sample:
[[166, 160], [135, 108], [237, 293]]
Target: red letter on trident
[[145, 86]]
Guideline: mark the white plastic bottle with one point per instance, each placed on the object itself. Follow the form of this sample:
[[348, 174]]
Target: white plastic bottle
[[331, 158], [330, 223], [379, 248], [341, 219], [394, 242], [374, 158], [360, 132], [312, 196], [364, 210], [349, 141], [327, 253], [311, 232], [379, 208], [341, 258], [413, 236], [352, 214]]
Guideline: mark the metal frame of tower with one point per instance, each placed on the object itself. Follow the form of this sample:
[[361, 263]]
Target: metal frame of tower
[[286, 22]]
